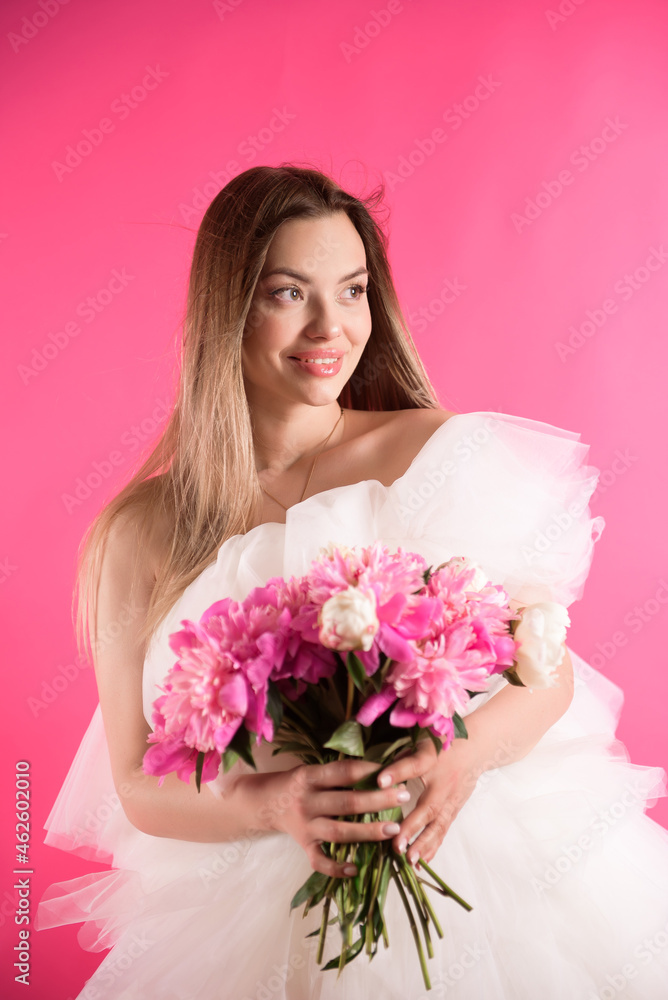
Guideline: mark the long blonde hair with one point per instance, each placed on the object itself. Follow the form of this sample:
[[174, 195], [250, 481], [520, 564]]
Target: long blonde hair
[[200, 478]]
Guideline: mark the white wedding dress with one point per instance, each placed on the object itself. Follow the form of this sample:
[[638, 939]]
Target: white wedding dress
[[568, 878]]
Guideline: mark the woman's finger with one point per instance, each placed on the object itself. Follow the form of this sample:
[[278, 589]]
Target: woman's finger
[[413, 765], [336, 773], [320, 862], [428, 842], [351, 802], [336, 831], [430, 820]]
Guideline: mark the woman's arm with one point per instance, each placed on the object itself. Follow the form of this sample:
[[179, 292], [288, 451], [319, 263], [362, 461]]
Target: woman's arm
[[303, 801], [501, 731], [174, 809]]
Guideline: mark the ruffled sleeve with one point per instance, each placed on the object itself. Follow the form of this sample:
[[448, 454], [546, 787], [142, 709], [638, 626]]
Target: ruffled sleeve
[[512, 494]]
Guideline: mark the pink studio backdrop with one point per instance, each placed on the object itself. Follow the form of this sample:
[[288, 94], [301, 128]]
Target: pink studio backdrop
[[523, 147]]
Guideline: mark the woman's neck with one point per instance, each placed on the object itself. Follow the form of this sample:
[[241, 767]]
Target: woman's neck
[[283, 439]]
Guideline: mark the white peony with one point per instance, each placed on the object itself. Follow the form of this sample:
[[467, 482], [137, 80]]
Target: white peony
[[542, 633], [329, 551], [348, 620], [461, 563]]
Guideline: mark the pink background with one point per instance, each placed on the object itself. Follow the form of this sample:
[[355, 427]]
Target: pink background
[[356, 90]]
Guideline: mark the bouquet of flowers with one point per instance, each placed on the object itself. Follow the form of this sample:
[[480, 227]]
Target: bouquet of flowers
[[363, 656]]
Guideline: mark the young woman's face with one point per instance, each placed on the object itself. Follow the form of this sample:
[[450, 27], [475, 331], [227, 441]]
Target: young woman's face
[[310, 301]]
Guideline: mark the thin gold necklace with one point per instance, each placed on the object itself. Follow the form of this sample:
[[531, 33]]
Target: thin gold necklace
[[317, 455]]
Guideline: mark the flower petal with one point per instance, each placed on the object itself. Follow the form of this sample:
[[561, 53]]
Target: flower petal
[[375, 705]]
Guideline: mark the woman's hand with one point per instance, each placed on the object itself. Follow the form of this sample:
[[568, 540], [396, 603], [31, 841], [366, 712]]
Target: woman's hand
[[448, 778], [306, 802]]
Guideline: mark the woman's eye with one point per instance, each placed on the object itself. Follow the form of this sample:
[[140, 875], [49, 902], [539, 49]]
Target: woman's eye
[[277, 293], [360, 290], [280, 293]]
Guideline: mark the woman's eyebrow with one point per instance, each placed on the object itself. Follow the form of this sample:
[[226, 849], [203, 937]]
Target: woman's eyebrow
[[302, 277]]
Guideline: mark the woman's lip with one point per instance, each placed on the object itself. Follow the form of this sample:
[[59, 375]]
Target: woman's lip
[[316, 354], [319, 370]]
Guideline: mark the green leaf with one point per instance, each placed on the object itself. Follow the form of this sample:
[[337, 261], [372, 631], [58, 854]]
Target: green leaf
[[376, 680], [317, 895], [316, 932], [352, 953], [348, 739], [229, 759], [355, 668], [376, 752], [393, 747], [313, 884], [274, 705], [240, 743], [391, 815], [512, 678], [384, 882], [378, 923], [292, 748], [438, 743], [198, 769], [514, 622], [460, 728], [368, 783]]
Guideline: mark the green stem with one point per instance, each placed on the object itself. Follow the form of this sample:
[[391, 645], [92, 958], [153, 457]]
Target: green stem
[[349, 707], [323, 929], [446, 888], [428, 906], [347, 933], [372, 903], [414, 928], [413, 887], [334, 691], [293, 705], [349, 700], [386, 940]]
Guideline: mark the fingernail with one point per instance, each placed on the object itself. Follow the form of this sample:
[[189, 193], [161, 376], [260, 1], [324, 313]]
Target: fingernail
[[412, 858], [385, 780], [391, 829], [403, 795], [402, 845], [349, 870]]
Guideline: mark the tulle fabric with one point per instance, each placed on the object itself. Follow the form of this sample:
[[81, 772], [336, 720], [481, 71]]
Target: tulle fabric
[[567, 876]]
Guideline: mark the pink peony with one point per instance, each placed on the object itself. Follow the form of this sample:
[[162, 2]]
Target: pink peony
[[305, 660], [170, 753], [206, 698], [465, 641], [219, 682], [394, 578]]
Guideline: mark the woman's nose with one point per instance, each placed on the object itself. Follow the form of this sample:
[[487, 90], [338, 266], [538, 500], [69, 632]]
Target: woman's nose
[[325, 321]]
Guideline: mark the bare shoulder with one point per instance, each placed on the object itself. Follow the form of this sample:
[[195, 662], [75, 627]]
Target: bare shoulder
[[399, 435], [408, 432], [136, 544], [127, 564], [418, 422]]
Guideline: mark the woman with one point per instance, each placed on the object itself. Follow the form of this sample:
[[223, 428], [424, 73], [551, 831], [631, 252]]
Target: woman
[[304, 414]]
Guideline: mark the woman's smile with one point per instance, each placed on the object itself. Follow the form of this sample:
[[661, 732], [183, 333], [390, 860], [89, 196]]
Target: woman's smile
[[314, 328], [320, 363]]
